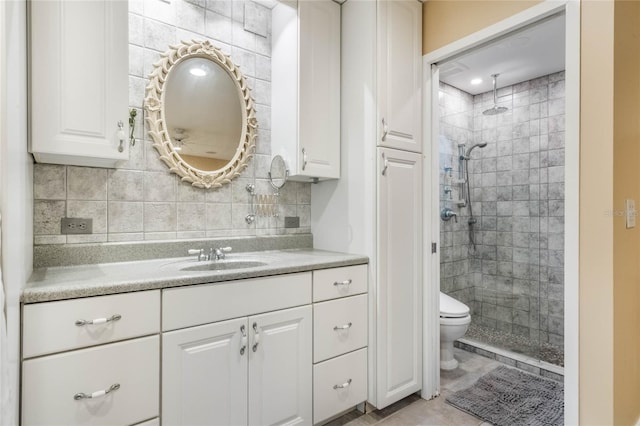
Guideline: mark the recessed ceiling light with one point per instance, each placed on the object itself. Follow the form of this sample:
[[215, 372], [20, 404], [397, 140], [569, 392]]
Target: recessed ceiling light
[[198, 72], [476, 81]]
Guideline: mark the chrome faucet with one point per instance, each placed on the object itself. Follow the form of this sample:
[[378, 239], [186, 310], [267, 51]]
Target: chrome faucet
[[214, 253], [219, 253]]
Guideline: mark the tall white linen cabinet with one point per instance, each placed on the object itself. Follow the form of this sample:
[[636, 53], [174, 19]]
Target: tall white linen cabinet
[[376, 207]]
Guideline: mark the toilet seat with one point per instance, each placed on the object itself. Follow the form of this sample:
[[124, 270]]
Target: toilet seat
[[452, 308]]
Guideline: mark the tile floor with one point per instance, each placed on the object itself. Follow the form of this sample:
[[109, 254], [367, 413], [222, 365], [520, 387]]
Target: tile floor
[[413, 410]]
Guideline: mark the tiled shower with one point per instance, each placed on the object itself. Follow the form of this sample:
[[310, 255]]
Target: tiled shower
[[513, 279]]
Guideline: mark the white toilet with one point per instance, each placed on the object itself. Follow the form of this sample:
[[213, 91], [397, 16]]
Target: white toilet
[[454, 321]]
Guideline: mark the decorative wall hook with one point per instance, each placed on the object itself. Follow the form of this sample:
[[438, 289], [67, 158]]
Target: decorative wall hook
[[132, 126]]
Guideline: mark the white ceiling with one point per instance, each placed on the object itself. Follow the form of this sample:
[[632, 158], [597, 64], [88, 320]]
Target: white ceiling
[[523, 55]]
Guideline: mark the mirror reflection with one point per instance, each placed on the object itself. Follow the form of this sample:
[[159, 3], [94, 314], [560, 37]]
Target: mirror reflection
[[278, 173], [203, 113]]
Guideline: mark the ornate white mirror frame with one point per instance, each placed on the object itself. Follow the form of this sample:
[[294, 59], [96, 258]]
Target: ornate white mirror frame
[[154, 106]]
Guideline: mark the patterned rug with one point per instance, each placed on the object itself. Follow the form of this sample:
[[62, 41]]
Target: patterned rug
[[509, 397]]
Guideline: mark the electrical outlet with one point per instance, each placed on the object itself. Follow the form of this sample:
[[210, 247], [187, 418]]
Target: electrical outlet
[[292, 222], [74, 225]]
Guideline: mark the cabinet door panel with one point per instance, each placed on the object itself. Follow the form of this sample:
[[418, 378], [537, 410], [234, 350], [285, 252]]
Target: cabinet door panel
[[319, 101], [400, 74], [79, 81], [399, 327], [204, 375], [280, 368]]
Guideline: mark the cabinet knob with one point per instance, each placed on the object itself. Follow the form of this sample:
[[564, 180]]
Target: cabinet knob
[[304, 159], [345, 282]]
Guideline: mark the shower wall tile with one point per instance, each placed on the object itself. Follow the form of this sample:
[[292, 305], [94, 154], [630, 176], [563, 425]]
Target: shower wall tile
[[517, 189], [140, 199]]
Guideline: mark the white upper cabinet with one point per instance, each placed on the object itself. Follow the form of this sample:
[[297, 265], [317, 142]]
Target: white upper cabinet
[[79, 82], [305, 85], [400, 74]]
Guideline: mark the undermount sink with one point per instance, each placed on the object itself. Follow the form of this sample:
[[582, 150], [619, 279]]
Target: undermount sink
[[223, 265]]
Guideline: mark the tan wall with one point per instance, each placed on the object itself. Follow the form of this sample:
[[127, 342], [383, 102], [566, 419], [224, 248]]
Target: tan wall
[[596, 230], [609, 340], [626, 181], [445, 21]]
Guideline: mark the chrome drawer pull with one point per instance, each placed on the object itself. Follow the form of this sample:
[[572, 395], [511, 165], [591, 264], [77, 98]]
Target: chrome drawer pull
[[385, 129], [256, 337], [342, 327], [344, 385], [97, 321], [345, 282], [96, 394], [243, 341]]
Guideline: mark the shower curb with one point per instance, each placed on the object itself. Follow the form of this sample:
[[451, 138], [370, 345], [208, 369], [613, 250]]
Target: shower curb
[[523, 362]]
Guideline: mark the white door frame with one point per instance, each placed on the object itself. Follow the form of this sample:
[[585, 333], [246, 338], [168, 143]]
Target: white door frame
[[431, 338]]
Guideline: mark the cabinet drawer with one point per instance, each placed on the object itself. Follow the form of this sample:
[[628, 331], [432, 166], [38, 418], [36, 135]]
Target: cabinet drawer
[[339, 282], [338, 384], [339, 326], [50, 384], [202, 304], [51, 327]]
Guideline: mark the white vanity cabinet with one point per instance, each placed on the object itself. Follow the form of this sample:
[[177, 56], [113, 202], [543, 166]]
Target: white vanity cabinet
[[281, 349], [92, 361], [339, 340], [305, 87], [79, 82], [256, 369]]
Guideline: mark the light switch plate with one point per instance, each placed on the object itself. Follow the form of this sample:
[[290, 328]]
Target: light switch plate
[[631, 213]]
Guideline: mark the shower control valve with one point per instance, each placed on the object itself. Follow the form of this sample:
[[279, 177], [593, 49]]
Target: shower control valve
[[446, 214]]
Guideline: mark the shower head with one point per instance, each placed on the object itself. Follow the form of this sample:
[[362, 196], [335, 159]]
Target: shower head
[[467, 155], [495, 109]]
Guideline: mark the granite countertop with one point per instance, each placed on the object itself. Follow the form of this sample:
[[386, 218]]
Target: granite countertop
[[69, 282]]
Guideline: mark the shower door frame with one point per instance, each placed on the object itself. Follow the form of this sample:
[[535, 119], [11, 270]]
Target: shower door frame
[[431, 338]]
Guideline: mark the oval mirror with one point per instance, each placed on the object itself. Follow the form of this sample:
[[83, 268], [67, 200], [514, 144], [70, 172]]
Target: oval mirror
[[200, 114], [278, 173]]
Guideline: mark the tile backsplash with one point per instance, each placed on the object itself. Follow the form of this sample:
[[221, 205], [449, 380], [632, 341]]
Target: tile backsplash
[[141, 200]]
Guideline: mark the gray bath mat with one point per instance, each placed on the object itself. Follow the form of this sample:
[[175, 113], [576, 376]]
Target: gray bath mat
[[509, 397]]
